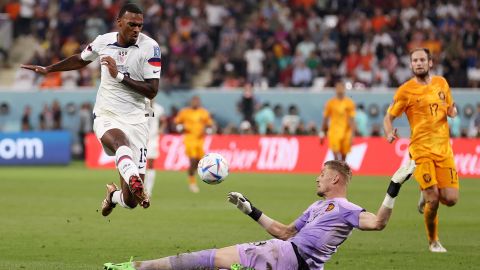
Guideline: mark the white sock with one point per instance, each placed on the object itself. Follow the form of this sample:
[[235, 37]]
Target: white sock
[[149, 181], [125, 164], [117, 197]]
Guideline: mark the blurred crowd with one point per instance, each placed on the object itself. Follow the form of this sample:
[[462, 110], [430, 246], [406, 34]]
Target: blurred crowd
[[257, 118], [261, 118], [287, 43]]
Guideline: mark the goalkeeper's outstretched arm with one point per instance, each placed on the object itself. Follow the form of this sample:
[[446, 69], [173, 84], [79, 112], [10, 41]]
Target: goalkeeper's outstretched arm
[[371, 222], [273, 227]]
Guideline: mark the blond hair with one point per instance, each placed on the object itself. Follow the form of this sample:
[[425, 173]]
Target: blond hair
[[341, 167]]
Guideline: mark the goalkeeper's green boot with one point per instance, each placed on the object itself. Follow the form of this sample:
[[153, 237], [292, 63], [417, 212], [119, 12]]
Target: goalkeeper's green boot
[[238, 266], [119, 266]]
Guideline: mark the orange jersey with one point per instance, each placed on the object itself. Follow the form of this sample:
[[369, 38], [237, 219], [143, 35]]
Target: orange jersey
[[194, 122], [339, 112], [426, 109]]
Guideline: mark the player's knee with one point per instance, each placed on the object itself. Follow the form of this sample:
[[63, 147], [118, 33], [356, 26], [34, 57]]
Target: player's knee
[[450, 201], [433, 202]]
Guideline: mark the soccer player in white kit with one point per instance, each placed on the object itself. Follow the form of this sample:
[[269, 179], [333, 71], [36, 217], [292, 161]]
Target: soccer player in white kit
[[156, 126], [130, 75]]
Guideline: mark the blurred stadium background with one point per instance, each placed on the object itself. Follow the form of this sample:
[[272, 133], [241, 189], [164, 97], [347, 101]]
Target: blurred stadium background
[[291, 51]]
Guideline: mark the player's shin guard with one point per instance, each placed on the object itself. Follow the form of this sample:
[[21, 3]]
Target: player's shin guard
[[204, 259], [125, 165], [149, 181]]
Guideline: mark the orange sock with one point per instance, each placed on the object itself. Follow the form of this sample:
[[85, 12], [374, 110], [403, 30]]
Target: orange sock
[[192, 180], [431, 222]]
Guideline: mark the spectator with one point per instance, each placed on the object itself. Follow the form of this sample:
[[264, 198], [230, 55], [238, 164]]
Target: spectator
[[278, 112], [45, 118], [291, 121], [474, 129], [86, 124], [246, 105], [264, 119], [56, 115], [254, 58], [246, 128], [361, 121], [26, 125], [302, 76]]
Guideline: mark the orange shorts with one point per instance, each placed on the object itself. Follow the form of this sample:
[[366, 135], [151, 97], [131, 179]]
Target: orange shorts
[[194, 148], [429, 174], [340, 144]]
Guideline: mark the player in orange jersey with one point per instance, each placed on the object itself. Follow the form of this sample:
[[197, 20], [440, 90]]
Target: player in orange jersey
[[195, 122], [339, 123], [427, 101]]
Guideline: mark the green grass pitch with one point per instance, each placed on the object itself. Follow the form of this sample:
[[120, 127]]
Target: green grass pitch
[[50, 219]]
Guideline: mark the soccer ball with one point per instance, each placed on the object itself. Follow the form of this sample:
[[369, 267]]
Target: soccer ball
[[212, 168]]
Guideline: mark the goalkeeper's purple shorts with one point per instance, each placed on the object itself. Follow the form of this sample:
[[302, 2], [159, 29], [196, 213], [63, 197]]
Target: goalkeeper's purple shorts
[[270, 254]]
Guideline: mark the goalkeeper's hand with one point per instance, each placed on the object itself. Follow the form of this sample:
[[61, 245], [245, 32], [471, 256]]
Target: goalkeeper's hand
[[240, 201], [404, 173]]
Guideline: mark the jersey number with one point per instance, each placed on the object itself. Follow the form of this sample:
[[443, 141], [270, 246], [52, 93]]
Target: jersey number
[[433, 109], [143, 155]]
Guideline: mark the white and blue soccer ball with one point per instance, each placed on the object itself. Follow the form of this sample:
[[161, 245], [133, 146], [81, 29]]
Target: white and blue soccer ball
[[212, 168]]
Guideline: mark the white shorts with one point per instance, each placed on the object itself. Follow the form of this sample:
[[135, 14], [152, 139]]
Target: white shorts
[[136, 135], [153, 145]]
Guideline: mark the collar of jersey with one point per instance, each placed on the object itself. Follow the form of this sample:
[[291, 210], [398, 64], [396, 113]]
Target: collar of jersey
[[118, 45]]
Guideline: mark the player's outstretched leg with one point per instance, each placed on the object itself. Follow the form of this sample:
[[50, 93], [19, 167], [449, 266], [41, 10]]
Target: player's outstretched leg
[[119, 266], [108, 204], [192, 180], [129, 172], [195, 260]]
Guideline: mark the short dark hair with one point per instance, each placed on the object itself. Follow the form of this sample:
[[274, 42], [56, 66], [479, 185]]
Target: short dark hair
[[341, 167], [426, 50], [130, 7]]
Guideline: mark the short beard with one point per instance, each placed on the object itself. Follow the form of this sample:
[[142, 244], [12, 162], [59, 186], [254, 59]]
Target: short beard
[[321, 194], [421, 75]]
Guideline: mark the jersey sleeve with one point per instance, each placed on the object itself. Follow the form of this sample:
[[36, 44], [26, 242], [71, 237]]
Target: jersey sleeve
[[152, 65], [449, 98], [351, 109], [399, 104], [208, 119], [302, 220], [179, 118], [352, 217], [327, 111], [92, 51]]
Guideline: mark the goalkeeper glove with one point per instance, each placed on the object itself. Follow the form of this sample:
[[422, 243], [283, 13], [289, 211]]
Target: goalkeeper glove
[[244, 205]]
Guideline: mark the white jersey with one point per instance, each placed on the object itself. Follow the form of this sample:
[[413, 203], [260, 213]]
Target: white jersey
[[140, 61]]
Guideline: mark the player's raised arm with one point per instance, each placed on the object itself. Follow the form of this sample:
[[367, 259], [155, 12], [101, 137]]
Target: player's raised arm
[[371, 222], [71, 63], [273, 227]]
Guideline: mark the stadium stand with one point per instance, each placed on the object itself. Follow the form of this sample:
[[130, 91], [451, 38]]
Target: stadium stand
[[271, 43]]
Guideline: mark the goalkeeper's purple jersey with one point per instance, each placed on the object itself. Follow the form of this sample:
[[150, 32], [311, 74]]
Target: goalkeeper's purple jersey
[[323, 227]]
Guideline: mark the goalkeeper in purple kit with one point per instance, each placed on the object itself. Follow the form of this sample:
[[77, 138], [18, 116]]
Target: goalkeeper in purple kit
[[307, 243]]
